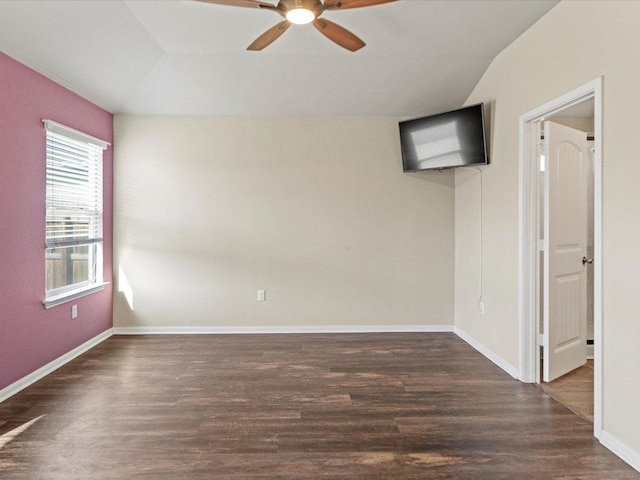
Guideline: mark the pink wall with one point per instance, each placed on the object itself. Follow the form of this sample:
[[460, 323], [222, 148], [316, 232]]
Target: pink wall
[[31, 336]]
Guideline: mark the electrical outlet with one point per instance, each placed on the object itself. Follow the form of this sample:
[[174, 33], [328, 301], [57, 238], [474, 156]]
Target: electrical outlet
[[261, 295], [74, 311], [481, 308]]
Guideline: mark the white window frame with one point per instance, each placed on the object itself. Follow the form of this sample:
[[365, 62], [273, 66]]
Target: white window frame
[[96, 282]]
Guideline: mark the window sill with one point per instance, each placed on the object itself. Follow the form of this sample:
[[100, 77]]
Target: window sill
[[72, 295]]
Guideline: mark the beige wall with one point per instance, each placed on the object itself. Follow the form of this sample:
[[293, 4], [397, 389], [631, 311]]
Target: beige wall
[[316, 211], [573, 44], [579, 123]]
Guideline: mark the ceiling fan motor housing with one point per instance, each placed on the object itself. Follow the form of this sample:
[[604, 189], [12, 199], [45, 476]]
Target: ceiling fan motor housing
[[314, 6]]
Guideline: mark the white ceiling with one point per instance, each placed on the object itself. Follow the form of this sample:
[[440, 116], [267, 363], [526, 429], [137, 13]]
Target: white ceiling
[[187, 57]]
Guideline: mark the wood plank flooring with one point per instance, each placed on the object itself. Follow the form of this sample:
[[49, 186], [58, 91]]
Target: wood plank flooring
[[240, 407], [574, 390]]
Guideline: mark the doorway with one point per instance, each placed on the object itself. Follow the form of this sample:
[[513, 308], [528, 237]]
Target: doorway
[[566, 261], [544, 262]]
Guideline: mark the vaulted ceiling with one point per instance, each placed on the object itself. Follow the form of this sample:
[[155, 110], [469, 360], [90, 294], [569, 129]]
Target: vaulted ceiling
[[188, 57]]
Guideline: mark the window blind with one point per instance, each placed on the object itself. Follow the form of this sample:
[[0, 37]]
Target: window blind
[[74, 187]]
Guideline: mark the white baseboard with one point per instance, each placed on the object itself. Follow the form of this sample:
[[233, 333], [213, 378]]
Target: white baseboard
[[495, 358], [291, 329], [42, 372], [67, 357], [620, 449]]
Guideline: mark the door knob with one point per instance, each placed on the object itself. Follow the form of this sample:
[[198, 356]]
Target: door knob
[[586, 260]]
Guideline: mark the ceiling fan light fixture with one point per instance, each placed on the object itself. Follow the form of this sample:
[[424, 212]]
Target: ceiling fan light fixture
[[300, 16]]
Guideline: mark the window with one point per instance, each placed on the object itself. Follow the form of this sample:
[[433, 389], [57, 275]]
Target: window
[[74, 223]]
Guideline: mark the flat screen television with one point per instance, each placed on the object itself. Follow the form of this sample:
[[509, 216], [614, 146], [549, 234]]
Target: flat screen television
[[447, 140]]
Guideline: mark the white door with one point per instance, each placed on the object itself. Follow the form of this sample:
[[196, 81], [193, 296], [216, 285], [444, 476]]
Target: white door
[[565, 228]]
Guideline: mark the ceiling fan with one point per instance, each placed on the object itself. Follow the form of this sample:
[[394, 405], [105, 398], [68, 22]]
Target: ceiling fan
[[302, 12]]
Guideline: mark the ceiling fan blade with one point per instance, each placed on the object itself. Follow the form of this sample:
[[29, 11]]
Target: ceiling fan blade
[[344, 4], [268, 37], [338, 34], [241, 3]]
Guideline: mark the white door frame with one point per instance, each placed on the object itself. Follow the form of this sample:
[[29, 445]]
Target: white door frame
[[529, 311]]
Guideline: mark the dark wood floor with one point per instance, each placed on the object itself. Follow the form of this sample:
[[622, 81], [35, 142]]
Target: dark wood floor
[[383, 406], [574, 390]]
